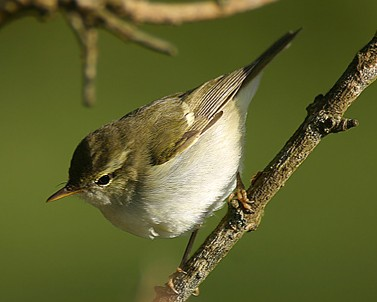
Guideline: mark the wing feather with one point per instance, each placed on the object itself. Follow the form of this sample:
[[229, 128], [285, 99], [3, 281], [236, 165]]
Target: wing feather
[[205, 103], [208, 100]]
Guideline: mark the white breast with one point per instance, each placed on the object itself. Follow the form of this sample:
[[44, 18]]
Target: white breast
[[179, 194]]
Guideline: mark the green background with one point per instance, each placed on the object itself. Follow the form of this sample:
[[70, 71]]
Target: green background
[[317, 240]]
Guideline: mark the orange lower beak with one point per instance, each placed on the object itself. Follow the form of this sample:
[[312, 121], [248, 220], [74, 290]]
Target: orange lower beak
[[64, 192]]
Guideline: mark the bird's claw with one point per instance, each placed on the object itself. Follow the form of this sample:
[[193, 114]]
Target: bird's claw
[[240, 195]]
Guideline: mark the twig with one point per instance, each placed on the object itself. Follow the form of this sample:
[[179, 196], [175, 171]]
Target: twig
[[325, 116], [88, 37], [126, 31], [84, 25], [85, 16]]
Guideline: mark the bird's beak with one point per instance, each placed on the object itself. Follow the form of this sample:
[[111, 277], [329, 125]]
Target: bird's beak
[[64, 192]]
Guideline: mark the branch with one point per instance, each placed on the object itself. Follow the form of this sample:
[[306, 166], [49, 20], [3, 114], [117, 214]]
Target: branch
[[117, 16], [177, 13], [126, 31], [325, 116], [88, 38]]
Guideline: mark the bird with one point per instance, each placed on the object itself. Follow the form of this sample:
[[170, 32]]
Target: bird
[[162, 169]]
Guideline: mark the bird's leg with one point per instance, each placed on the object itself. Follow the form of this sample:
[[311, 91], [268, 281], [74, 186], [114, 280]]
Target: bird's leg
[[241, 195], [185, 257], [188, 249]]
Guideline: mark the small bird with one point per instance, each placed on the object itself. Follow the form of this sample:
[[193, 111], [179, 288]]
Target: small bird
[[161, 170]]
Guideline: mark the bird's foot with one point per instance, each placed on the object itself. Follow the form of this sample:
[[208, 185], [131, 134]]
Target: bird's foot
[[240, 195], [170, 282]]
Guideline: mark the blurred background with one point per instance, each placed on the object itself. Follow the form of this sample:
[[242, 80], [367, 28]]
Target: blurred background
[[317, 240]]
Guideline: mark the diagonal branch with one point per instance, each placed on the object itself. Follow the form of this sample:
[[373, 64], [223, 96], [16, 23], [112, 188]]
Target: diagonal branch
[[325, 116], [128, 32]]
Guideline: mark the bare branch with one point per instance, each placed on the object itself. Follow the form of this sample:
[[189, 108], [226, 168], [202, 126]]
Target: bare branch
[[126, 31], [84, 22], [178, 13], [85, 16], [113, 12], [88, 37], [325, 116]]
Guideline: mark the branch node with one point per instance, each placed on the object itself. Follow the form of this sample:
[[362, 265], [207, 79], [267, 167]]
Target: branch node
[[345, 124], [329, 124], [312, 108]]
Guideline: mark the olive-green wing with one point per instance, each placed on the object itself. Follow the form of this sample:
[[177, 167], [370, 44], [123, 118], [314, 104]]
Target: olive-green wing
[[190, 114]]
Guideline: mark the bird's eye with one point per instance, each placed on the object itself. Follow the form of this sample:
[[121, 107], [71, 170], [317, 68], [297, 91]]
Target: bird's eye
[[104, 180]]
